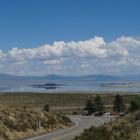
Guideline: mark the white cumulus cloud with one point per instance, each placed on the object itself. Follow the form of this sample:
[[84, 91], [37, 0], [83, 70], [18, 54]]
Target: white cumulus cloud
[[2, 54], [91, 56]]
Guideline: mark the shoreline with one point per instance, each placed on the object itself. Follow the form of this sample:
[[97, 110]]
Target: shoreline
[[74, 92]]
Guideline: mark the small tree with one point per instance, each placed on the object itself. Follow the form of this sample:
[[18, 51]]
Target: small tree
[[25, 107], [118, 105], [133, 106], [46, 108], [98, 104], [89, 106]]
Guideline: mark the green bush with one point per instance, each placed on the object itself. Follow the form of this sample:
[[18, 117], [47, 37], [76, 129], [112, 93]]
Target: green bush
[[94, 133], [46, 108], [51, 121], [9, 123], [65, 119], [135, 104]]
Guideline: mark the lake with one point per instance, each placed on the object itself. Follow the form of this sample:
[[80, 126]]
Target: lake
[[70, 86]]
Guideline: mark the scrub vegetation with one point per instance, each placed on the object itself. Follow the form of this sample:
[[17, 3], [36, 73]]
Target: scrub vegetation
[[65, 103], [23, 122]]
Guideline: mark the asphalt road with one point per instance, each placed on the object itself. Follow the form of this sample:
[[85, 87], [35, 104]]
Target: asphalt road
[[81, 122]]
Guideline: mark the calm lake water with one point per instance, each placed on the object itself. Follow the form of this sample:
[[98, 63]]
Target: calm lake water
[[70, 86]]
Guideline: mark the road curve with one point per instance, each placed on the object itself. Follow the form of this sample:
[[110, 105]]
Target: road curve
[[81, 123]]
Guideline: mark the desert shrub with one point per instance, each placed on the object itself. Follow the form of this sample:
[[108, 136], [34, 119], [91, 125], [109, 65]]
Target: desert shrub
[[65, 119], [46, 108], [27, 125], [3, 131], [51, 121], [45, 123], [133, 106], [9, 123], [137, 116], [94, 133]]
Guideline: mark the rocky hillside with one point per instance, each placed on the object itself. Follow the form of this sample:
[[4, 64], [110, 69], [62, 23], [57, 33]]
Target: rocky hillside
[[19, 123]]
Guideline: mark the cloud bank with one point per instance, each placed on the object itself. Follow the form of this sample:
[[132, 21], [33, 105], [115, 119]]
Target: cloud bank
[[93, 56]]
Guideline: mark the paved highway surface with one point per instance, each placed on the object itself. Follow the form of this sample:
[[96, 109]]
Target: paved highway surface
[[81, 122]]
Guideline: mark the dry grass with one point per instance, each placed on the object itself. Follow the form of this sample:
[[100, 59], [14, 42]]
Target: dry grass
[[17, 123], [64, 103]]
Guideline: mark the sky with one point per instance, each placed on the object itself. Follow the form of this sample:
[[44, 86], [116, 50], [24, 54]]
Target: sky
[[69, 37]]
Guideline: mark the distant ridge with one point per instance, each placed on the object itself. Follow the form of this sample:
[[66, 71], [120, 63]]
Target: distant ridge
[[99, 77], [57, 77]]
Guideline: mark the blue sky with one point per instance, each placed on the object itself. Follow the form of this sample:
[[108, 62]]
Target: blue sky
[[31, 24]]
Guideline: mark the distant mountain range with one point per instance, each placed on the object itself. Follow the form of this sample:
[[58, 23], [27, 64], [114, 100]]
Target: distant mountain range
[[7, 77], [57, 77]]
